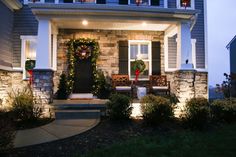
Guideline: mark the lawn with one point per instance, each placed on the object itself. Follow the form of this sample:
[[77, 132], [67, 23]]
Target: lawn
[[219, 142]]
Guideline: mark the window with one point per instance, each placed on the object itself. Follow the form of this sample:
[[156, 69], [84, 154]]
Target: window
[[28, 52], [140, 50], [190, 4], [142, 2]]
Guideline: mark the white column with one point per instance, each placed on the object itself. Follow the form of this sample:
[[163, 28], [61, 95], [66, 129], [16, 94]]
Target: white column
[[43, 53], [165, 3], [54, 53], [184, 47]]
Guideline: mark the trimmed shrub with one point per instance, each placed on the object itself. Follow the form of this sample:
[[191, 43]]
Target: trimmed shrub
[[103, 89], [62, 92], [119, 107], [23, 105], [6, 131], [156, 109], [197, 113], [224, 110]]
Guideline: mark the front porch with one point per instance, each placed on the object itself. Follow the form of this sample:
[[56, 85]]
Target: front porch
[[164, 38]]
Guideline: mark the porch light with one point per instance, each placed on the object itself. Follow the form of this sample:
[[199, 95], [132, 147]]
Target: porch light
[[144, 24], [85, 22]]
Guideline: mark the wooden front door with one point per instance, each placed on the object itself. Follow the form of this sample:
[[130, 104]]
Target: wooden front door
[[83, 80]]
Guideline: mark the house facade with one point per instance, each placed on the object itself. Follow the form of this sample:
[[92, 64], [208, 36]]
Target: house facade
[[232, 53], [168, 35]]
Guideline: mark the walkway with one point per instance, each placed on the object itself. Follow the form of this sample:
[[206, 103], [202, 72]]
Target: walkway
[[69, 122]]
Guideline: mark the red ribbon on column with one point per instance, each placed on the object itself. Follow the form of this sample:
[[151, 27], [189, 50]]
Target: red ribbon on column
[[137, 72], [31, 76]]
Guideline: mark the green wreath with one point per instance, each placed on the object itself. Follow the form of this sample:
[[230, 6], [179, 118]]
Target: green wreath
[[139, 65], [29, 64]]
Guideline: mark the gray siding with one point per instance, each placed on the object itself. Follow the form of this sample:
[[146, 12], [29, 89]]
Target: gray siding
[[171, 3], [172, 52], [6, 26], [233, 57], [198, 33], [25, 23]]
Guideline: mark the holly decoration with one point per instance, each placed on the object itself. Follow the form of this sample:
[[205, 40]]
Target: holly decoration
[[139, 66]]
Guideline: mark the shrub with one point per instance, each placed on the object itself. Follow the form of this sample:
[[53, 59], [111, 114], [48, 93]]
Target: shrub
[[119, 107], [23, 105], [156, 109], [62, 92], [224, 110], [6, 131], [103, 88], [197, 113], [226, 86]]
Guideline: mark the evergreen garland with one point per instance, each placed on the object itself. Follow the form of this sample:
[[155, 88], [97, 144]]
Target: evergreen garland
[[71, 58]]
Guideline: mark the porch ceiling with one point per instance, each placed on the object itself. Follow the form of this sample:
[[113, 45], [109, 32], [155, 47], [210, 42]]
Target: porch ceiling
[[110, 24]]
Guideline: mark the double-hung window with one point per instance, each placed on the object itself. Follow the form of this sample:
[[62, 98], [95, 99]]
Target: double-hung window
[[140, 50], [188, 4]]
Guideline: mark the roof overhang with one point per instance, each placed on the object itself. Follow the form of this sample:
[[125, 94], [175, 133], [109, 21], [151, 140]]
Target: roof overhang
[[12, 4], [112, 11], [228, 46]]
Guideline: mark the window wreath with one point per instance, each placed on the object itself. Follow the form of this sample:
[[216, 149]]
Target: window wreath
[[139, 67]]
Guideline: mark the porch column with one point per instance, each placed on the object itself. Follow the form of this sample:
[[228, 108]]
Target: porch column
[[184, 47], [43, 55], [43, 73]]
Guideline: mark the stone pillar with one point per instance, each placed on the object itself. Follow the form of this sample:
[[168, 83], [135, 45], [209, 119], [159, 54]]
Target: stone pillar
[[43, 88]]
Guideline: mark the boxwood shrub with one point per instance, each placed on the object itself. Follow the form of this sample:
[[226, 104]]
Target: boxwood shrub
[[156, 109]]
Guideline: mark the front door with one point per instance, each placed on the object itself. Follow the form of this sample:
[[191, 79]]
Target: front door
[[83, 80]]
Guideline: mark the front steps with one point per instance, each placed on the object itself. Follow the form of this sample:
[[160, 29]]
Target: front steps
[[79, 109], [76, 96]]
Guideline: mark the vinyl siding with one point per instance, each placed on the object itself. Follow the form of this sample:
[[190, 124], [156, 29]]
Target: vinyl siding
[[232, 57], [198, 33], [6, 26], [171, 3], [172, 49], [25, 23]]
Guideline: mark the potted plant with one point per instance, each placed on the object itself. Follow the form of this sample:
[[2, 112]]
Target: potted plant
[[138, 66]]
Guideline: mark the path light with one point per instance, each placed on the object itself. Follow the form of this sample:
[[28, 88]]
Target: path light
[[85, 22]]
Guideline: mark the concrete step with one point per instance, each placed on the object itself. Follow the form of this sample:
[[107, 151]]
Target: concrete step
[[80, 107], [75, 96], [77, 114]]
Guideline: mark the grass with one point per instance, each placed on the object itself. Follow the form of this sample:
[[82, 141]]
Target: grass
[[220, 142]]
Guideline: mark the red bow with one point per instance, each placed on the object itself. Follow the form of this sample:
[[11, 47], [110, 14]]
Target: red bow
[[137, 72]]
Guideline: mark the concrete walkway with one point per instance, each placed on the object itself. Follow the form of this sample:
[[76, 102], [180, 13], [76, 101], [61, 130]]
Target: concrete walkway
[[56, 130]]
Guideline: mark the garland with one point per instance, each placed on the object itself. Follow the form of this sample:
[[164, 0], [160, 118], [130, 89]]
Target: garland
[[74, 48]]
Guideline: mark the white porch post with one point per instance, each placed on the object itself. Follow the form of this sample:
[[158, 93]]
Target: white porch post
[[43, 53], [184, 47]]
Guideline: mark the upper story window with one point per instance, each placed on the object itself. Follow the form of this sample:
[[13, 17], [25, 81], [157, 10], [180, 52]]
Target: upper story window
[[185, 4], [141, 50]]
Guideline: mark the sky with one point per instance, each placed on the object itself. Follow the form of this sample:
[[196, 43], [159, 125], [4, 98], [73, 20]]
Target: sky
[[221, 15]]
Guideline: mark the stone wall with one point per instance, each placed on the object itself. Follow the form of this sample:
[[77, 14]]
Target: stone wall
[[108, 42], [9, 81]]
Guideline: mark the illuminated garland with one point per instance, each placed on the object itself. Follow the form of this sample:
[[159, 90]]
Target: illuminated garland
[[75, 48]]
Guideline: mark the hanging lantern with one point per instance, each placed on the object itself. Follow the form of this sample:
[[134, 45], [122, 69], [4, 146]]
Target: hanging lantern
[[83, 52], [185, 3]]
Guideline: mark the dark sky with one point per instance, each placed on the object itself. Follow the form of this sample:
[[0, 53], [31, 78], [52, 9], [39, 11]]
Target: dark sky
[[221, 29]]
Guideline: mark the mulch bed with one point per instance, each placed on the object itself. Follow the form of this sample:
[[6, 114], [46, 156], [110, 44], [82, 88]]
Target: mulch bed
[[103, 135]]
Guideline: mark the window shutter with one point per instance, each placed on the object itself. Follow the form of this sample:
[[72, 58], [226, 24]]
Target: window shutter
[[123, 2], [155, 2], [101, 1], [123, 57], [156, 58]]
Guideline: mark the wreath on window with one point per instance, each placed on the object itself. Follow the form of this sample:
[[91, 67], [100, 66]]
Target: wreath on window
[[83, 52], [29, 64], [139, 67]]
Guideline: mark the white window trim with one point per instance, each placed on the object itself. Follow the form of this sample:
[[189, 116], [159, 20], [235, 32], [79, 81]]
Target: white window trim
[[149, 55], [23, 59], [192, 5]]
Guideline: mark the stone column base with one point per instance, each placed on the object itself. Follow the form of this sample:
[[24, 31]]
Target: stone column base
[[43, 89]]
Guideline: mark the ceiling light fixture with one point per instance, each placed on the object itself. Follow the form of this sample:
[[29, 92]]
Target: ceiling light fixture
[[144, 24], [85, 22]]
